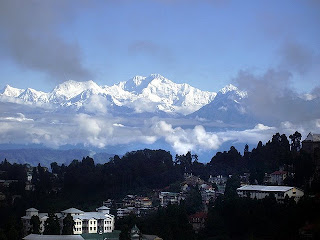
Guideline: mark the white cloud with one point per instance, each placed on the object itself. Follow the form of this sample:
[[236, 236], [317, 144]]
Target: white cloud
[[96, 104], [55, 129], [184, 140], [19, 118]]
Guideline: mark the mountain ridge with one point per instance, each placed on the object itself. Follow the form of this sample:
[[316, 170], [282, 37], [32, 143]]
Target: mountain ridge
[[155, 93]]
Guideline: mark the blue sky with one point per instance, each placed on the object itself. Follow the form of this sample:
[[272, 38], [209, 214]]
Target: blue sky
[[205, 43]]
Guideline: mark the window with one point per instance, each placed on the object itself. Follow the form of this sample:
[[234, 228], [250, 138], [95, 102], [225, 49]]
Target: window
[[94, 228], [90, 228]]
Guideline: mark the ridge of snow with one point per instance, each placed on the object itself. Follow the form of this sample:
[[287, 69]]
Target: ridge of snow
[[141, 94], [233, 89], [11, 91]]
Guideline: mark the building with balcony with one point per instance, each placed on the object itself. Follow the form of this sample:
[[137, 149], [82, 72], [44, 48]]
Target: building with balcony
[[84, 222]]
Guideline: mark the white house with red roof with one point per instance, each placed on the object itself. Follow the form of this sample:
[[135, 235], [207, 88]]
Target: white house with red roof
[[278, 177]]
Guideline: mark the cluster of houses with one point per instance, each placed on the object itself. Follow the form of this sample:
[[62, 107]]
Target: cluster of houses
[[102, 221]]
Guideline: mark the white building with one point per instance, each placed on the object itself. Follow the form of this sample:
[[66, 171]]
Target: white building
[[170, 197], [84, 222], [260, 192]]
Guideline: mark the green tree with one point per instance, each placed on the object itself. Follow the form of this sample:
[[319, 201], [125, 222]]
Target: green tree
[[51, 225], [231, 187], [295, 141], [35, 222], [193, 201], [68, 224]]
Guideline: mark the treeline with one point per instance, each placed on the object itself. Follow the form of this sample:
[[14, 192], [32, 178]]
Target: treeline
[[84, 184]]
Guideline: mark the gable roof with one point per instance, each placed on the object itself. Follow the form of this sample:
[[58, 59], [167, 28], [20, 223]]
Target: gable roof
[[313, 137]]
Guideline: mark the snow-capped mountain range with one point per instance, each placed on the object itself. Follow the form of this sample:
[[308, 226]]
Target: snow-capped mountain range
[[153, 94]]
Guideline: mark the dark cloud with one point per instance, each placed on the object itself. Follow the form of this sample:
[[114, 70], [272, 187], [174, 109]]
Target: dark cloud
[[297, 57], [272, 99], [30, 38]]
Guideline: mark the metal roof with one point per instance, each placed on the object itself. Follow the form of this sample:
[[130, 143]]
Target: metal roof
[[103, 208], [92, 215], [313, 137], [32, 210], [72, 211], [53, 237], [263, 188]]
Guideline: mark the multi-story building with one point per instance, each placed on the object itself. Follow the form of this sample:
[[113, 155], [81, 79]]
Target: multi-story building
[[278, 177], [207, 196], [260, 192], [312, 145], [100, 221], [197, 220], [170, 197]]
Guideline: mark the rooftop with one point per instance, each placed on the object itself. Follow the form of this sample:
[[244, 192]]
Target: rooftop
[[103, 208], [32, 210], [279, 173], [265, 188], [313, 137], [95, 236], [53, 237], [91, 215], [72, 211]]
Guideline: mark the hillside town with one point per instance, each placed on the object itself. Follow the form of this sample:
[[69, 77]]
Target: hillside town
[[198, 196]]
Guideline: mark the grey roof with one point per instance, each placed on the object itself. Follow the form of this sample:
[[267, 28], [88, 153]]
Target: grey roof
[[103, 208], [53, 237], [313, 137], [91, 215], [42, 216], [114, 235], [150, 237], [265, 188], [32, 210], [72, 211]]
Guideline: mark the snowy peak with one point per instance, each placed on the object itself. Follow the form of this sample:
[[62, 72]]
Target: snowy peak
[[11, 91], [138, 83], [232, 90], [140, 94], [229, 106], [71, 89], [135, 85], [228, 88], [31, 95]]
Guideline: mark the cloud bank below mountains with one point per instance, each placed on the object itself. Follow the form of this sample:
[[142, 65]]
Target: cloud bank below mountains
[[103, 131]]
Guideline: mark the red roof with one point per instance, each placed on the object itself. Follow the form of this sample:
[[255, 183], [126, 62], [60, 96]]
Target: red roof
[[279, 173], [199, 215]]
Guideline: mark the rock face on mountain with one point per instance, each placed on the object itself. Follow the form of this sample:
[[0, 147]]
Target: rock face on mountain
[[153, 94]]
